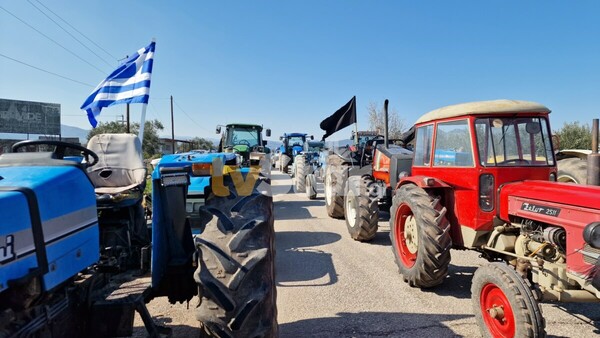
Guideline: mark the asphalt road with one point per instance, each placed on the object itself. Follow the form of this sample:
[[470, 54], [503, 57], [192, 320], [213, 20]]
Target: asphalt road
[[329, 285]]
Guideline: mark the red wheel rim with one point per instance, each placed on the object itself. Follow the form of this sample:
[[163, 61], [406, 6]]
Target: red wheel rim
[[496, 311], [406, 257]]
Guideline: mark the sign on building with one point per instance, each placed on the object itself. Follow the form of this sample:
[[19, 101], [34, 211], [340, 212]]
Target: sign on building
[[26, 117]]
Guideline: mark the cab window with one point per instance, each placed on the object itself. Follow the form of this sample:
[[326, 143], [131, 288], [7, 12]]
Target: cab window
[[423, 140], [453, 145]]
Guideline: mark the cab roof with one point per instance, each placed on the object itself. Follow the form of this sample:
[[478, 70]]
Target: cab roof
[[484, 107], [245, 125]]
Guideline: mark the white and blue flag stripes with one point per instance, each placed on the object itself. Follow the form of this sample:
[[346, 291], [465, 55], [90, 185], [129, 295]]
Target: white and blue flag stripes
[[130, 83]]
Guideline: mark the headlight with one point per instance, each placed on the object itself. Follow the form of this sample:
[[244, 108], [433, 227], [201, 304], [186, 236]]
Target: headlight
[[591, 234], [201, 169]]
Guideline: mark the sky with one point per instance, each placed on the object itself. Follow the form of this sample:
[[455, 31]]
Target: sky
[[289, 64]]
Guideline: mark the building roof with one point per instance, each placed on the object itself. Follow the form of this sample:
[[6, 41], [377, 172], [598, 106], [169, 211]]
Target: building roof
[[484, 107]]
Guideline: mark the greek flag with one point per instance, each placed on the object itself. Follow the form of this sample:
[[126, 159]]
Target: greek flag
[[130, 83]]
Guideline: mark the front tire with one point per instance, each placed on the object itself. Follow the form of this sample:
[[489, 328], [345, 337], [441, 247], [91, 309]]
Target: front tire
[[420, 237], [504, 304], [299, 178], [335, 179], [284, 162], [236, 272], [311, 186], [361, 208]]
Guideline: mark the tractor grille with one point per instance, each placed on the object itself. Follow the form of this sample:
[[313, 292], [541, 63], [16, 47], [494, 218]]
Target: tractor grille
[[590, 255]]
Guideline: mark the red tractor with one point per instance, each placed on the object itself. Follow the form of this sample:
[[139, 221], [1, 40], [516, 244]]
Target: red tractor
[[483, 178]]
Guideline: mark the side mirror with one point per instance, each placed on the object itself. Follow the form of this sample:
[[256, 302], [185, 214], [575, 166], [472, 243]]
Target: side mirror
[[312, 137], [268, 132], [218, 130]]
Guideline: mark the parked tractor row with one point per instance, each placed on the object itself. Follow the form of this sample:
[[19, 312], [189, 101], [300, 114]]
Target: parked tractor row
[[481, 176]]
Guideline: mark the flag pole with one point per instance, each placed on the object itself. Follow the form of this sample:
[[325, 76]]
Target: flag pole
[[356, 133], [142, 123]]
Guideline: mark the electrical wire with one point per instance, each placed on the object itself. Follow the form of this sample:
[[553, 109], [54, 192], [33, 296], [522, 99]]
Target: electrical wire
[[75, 29], [49, 38], [73, 36], [46, 71], [191, 119]]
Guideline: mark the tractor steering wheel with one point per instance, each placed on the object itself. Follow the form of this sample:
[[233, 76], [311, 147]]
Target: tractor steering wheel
[[243, 142], [515, 160], [59, 151]]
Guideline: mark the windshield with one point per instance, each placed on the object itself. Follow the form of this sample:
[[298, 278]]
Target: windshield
[[243, 136], [315, 146], [362, 140], [523, 141], [296, 141]]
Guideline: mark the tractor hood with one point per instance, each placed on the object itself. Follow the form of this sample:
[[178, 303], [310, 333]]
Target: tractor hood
[[241, 148], [574, 195], [187, 159]]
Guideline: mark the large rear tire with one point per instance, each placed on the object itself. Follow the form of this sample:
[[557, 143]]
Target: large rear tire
[[420, 235], [311, 186], [504, 304], [361, 208], [572, 170], [300, 175], [335, 180], [236, 272]]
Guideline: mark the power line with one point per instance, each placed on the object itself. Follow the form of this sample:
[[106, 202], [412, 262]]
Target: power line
[[46, 71], [191, 119], [49, 38], [75, 29], [66, 31]]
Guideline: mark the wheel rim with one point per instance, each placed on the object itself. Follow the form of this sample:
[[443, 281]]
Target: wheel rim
[[328, 192], [406, 233], [350, 209], [496, 311]]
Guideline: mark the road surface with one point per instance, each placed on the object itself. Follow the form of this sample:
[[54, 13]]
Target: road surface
[[329, 285]]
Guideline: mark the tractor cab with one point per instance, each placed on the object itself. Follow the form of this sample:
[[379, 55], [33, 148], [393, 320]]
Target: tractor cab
[[293, 143], [246, 141], [475, 148]]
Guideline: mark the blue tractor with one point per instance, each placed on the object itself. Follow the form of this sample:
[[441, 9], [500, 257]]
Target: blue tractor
[[307, 168], [74, 255], [293, 144]]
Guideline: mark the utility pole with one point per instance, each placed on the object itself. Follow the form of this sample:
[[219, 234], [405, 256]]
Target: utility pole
[[172, 126]]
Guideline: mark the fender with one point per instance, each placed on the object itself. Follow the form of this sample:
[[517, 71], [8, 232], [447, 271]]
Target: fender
[[422, 181]]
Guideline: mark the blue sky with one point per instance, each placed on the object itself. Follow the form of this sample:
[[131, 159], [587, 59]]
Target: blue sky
[[290, 64]]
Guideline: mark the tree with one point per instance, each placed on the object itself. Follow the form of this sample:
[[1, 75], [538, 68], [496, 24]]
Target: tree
[[202, 143], [151, 144], [572, 135], [377, 121]]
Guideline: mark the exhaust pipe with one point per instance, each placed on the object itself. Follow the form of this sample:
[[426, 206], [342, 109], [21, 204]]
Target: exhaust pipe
[[593, 169], [385, 124]]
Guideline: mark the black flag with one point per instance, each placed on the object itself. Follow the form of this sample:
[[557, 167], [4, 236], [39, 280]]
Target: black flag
[[342, 118]]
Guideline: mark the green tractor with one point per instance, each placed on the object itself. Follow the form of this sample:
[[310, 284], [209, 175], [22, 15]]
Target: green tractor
[[246, 141]]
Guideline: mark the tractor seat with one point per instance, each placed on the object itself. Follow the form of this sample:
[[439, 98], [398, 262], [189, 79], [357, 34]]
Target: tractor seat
[[120, 167]]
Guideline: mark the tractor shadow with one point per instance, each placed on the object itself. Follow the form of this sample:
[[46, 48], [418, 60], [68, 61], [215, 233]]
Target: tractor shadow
[[299, 264], [294, 210], [373, 324], [457, 284], [588, 313], [165, 322]]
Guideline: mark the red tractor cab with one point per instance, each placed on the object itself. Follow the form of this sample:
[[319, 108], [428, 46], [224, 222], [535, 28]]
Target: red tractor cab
[[482, 179]]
